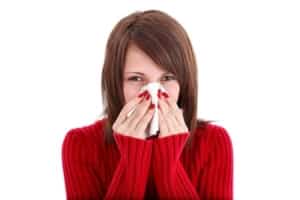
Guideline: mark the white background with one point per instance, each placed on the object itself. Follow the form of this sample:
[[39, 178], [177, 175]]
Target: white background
[[51, 56]]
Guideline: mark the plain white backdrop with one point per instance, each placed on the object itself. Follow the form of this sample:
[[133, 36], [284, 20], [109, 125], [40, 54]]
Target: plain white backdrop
[[248, 54]]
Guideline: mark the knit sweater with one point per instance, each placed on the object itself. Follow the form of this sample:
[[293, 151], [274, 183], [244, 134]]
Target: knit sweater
[[157, 168]]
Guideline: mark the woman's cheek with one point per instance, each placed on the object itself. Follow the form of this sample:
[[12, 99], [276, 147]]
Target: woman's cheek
[[173, 89], [131, 91]]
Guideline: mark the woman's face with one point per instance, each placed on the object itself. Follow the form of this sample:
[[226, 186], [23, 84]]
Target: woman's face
[[141, 70]]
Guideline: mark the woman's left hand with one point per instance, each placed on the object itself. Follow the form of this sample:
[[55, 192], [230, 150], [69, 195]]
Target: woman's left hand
[[171, 120]]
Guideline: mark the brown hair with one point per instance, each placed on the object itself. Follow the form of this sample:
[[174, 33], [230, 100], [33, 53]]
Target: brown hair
[[165, 41]]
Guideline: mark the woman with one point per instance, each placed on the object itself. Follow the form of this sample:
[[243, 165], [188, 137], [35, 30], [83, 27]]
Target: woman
[[113, 158]]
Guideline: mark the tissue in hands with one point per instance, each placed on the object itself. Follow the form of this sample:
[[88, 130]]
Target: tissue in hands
[[153, 91]]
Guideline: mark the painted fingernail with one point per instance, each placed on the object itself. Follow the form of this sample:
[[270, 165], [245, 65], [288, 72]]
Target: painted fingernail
[[159, 93], [142, 94], [148, 96], [152, 106], [165, 95]]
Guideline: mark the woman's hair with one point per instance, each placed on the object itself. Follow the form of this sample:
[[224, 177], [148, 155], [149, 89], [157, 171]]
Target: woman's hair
[[166, 42]]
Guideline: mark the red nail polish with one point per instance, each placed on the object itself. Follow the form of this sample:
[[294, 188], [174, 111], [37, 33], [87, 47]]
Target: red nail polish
[[142, 94], [152, 106], [165, 95], [148, 96], [159, 93]]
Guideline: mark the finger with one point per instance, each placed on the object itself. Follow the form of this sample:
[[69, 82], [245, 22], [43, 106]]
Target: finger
[[140, 111], [163, 106], [176, 110], [171, 122], [129, 107], [143, 123], [165, 110], [163, 128], [169, 115], [126, 124]]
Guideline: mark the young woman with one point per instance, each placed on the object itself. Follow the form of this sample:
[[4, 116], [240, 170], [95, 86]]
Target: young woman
[[113, 158]]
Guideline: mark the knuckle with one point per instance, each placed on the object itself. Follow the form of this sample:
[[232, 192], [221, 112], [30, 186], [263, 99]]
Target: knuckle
[[138, 112]]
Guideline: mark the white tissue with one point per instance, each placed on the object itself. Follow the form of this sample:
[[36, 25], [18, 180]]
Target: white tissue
[[153, 91]]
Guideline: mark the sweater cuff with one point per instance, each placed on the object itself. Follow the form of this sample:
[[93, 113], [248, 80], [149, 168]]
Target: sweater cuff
[[133, 149], [130, 178], [167, 150]]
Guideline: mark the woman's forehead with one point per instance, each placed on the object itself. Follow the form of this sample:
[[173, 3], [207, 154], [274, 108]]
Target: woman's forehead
[[140, 67], [138, 61]]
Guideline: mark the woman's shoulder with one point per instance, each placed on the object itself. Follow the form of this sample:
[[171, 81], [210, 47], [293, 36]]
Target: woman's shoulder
[[92, 131], [212, 132], [80, 143]]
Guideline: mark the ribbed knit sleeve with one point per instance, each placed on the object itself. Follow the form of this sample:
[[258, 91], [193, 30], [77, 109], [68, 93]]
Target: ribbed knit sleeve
[[129, 178], [216, 181], [170, 177], [80, 181]]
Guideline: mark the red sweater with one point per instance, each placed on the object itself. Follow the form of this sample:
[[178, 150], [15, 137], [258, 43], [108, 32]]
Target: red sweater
[[159, 168]]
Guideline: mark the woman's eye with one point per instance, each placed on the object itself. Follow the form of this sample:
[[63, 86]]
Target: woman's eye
[[137, 78], [170, 77], [134, 78]]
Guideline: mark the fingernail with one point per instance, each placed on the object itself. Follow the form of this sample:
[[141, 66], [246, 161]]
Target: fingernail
[[158, 106], [142, 94], [152, 106], [165, 95], [159, 93], [148, 96]]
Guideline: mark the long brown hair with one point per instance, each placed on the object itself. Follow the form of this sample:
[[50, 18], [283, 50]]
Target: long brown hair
[[166, 42]]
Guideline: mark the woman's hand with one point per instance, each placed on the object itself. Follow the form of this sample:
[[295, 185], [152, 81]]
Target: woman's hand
[[136, 124], [171, 120]]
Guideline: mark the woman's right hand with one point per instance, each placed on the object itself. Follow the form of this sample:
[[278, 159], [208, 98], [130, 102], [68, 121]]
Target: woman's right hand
[[136, 124]]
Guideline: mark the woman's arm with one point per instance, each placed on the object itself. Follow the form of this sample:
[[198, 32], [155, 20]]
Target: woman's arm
[[130, 176], [170, 177], [216, 180]]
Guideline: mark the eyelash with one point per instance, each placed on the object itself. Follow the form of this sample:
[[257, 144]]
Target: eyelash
[[133, 78]]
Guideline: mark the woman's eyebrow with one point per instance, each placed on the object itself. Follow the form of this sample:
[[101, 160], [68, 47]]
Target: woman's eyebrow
[[140, 73]]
